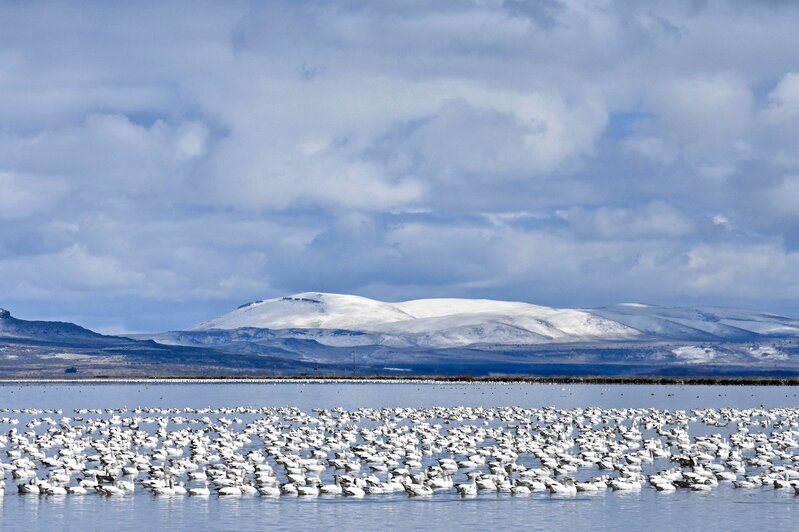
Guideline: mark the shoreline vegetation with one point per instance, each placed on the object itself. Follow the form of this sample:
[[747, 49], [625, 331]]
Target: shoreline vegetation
[[465, 379]]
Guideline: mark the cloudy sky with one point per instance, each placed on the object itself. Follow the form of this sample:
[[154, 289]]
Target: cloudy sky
[[161, 163]]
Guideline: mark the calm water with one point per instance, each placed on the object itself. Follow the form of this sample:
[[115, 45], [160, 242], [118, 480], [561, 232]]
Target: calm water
[[722, 509]]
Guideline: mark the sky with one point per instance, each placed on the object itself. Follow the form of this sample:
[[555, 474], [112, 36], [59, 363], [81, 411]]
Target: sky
[[164, 162]]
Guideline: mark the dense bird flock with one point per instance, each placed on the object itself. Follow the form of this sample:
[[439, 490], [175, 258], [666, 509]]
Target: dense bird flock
[[278, 452]]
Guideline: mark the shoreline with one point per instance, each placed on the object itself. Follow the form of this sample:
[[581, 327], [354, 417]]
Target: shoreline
[[596, 380]]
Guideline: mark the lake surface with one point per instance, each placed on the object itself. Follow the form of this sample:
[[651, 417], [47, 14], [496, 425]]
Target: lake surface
[[724, 508]]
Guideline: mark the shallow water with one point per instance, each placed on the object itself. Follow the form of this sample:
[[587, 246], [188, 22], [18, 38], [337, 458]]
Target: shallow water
[[724, 508], [355, 395]]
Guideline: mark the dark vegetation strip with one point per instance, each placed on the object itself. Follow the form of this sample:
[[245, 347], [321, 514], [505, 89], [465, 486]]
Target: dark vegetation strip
[[580, 379]]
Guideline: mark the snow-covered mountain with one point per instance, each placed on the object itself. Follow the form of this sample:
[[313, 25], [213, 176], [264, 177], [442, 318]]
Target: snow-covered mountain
[[329, 334], [697, 323], [447, 323], [432, 323]]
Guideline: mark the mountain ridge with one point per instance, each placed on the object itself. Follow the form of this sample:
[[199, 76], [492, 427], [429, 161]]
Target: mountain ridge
[[453, 322], [314, 333]]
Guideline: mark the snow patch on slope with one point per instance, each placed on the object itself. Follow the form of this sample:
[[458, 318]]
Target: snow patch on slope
[[767, 352], [693, 354]]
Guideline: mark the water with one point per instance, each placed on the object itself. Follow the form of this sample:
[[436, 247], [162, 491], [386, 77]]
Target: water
[[724, 508]]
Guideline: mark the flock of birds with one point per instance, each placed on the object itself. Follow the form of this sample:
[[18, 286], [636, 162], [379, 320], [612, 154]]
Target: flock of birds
[[278, 452]]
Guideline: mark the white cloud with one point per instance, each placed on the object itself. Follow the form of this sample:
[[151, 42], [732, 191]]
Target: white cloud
[[751, 271], [73, 269], [559, 129], [709, 119], [784, 197], [191, 140], [108, 153], [470, 141], [656, 220], [26, 195], [782, 106], [217, 152]]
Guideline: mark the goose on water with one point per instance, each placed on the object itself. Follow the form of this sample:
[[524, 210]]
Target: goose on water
[[468, 451]]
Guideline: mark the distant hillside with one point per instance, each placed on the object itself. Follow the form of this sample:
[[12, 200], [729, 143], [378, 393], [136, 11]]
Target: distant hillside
[[338, 335], [47, 331], [46, 349], [447, 323]]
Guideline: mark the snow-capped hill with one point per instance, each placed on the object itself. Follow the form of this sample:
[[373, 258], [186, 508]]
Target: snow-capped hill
[[708, 323], [425, 322], [451, 322], [308, 310]]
